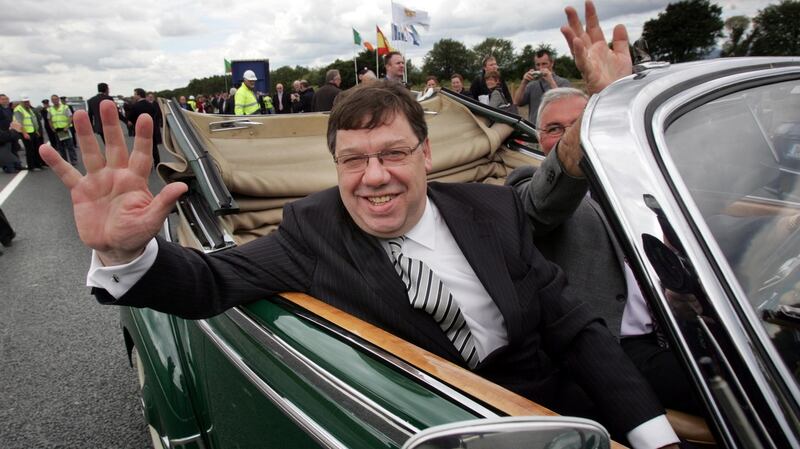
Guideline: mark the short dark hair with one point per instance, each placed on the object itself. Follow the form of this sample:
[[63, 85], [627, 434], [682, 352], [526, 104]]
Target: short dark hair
[[140, 92], [457, 75], [389, 56], [102, 87], [544, 51], [370, 105], [432, 77]]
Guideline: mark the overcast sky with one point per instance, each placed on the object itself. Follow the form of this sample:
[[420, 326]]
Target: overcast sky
[[67, 47]]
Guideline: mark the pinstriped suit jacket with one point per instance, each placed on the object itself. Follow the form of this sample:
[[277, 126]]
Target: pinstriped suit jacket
[[319, 250]]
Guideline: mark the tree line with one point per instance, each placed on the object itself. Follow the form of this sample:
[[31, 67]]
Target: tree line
[[685, 31]]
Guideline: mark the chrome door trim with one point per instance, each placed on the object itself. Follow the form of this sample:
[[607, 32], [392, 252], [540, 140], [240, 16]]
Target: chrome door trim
[[292, 411], [332, 384], [176, 125], [390, 359], [230, 125]]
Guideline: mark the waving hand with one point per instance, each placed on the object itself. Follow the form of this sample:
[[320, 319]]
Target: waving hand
[[599, 65], [115, 212]]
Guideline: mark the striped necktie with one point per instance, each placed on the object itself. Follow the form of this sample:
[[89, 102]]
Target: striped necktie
[[427, 292]]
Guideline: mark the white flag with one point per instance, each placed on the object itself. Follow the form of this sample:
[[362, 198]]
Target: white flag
[[406, 16]]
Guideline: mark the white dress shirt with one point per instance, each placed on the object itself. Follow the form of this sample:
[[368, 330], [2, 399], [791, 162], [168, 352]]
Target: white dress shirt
[[431, 242]]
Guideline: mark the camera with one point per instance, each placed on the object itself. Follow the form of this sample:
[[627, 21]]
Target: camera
[[536, 74]]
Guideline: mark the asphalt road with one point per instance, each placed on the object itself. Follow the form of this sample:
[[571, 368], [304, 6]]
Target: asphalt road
[[65, 380]]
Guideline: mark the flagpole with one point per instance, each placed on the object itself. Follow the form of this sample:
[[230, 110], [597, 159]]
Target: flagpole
[[355, 65], [377, 48]]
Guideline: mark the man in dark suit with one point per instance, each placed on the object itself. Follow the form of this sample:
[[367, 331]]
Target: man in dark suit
[[325, 96], [341, 245], [281, 100], [93, 105], [142, 106]]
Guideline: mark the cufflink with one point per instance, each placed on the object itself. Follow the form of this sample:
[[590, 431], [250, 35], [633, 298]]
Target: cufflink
[[115, 278]]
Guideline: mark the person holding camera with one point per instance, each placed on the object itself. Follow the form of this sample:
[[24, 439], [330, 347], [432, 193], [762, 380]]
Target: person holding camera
[[536, 82]]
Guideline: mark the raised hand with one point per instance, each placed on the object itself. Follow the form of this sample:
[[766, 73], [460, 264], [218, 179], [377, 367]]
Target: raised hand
[[599, 65], [115, 212]]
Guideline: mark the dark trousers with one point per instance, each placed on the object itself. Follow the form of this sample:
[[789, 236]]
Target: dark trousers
[[6, 232], [32, 157], [67, 150], [156, 156], [663, 371]]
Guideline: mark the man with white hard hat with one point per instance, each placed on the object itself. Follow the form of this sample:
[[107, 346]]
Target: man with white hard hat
[[31, 133], [245, 102]]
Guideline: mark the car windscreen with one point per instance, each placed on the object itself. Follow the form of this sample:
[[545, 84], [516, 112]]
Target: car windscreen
[[739, 157]]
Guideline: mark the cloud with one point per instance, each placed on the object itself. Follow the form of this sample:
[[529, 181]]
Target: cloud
[[70, 46]]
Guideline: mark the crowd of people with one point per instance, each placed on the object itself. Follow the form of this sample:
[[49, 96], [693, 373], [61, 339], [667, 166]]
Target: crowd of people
[[488, 87]]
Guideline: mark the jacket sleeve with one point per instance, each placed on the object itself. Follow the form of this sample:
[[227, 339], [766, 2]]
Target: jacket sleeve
[[549, 195], [194, 285]]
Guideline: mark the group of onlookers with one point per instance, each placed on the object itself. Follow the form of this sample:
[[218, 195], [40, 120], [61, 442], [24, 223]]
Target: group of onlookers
[[21, 121], [247, 100], [490, 88]]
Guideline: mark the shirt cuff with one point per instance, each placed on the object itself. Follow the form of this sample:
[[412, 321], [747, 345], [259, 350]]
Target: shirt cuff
[[652, 434], [118, 279]]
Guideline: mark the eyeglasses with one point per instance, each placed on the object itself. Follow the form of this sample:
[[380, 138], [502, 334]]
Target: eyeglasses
[[391, 157], [555, 130]]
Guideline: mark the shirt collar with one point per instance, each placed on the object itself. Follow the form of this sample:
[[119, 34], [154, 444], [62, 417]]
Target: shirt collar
[[424, 232]]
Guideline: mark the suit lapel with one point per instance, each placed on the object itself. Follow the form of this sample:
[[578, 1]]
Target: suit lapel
[[371, 260], [482, 247]]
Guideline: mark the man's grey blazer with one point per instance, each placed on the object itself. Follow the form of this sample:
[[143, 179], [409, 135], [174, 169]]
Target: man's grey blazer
[[572, 231]]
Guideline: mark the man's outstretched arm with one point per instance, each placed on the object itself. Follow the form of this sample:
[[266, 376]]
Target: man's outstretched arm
[[115, 212]]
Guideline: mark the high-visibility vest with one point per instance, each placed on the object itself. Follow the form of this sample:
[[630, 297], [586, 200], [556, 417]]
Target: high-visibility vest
[[27, 119], [267, 103], [193, 104], [59, 116], [245, 102]]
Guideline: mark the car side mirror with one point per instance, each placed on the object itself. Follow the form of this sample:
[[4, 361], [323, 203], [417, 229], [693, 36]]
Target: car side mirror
[[532, 432]]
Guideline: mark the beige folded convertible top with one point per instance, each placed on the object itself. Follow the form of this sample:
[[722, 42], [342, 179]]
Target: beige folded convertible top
[[285, 157]]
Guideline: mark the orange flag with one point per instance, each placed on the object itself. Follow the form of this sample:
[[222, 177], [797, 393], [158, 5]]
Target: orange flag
[[368, 46], [383, 43]]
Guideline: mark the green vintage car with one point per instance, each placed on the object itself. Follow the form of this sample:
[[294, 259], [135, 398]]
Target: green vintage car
[[293, 372]]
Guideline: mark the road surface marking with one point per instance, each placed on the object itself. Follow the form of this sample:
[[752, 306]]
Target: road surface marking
[[6, 192]]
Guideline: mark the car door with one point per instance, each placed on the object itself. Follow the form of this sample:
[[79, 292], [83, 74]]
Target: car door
[[697, 166]]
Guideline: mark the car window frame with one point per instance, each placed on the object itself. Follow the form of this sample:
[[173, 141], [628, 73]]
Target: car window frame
[[664, 111], [618, 135]]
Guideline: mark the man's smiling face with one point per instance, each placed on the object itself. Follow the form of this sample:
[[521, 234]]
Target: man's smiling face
[[384, 201]]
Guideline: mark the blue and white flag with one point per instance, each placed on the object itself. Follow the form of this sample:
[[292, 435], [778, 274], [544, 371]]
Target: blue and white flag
[[412, 32], [398, 33]]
